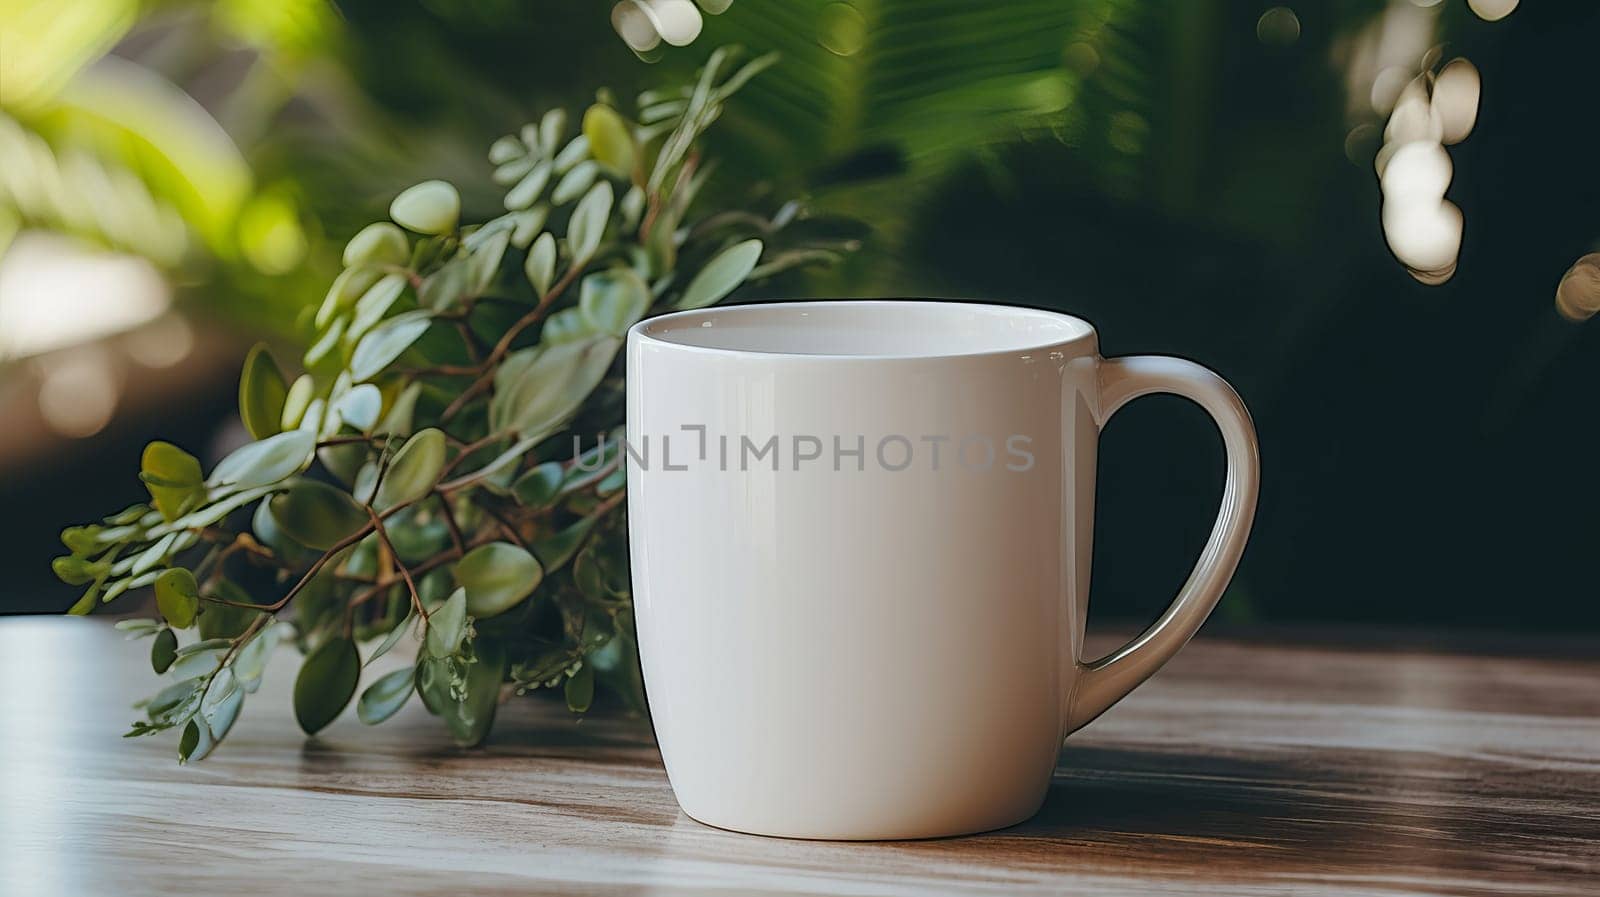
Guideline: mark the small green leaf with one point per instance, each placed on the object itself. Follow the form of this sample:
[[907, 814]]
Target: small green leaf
[[373, 305], [401, 414], [344, 461], [385, 697], [588, 224], [414, 471], [497, 576], [446, 624], [538, 487], [178, 597], [565, 326], [189, 741], [325, 351], [163, 651], [262, 392], [77, 571], [173, 477], [171, 703], [431, 207], [613, 300], [316, 515], [722, 275], [574, 183], [219, 708], [580, 689], [609, 138], [210, 644], [251, 661], [556, 550], [379, 348], [360, 406], [152, 556], [572, 154], [301, 392], [527, 224], [351, 283], [393, 638], [209, 514], [505, 149], [139, 628], [326, 682], [534, 399], [528, 189], [379, 243], [551, 129], [511, 171], [540, 265], [444, 287], [469, 716], [263, 463], [82, 540], [484, 264]]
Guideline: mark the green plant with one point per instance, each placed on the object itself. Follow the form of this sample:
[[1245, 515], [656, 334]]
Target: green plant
[[442, 466]]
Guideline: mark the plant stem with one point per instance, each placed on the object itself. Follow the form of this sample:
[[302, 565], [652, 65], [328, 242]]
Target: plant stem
[[505, 525], [491, 363], [411, 585], [450, 521], [468, 449]]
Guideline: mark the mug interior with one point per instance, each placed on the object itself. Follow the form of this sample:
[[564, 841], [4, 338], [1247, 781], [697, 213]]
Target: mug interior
[[874, 328]]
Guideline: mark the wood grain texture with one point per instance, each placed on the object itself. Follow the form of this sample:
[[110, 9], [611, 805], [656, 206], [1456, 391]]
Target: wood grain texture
[[1250, 766]]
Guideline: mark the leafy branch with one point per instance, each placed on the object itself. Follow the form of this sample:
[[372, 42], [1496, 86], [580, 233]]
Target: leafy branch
[[425, 474]]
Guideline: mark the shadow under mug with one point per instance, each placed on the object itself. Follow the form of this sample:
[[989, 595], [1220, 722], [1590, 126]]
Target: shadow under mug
[[860, 536]]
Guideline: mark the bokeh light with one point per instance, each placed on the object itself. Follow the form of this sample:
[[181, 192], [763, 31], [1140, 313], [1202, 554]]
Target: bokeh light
[[1455, 99], [162, 343], [1418, 171], [1578, 294], [78, 391], [1492, 10], [270, 234], [1425, 236], [56, 292], [1386, 88]]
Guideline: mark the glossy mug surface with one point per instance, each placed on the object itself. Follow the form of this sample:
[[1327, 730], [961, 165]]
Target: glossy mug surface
[[860, 537]]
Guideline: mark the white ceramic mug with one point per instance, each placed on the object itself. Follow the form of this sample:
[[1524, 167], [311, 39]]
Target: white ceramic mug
[[860, 534]]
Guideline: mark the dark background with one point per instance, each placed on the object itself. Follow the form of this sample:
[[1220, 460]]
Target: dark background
[[1427, 450]]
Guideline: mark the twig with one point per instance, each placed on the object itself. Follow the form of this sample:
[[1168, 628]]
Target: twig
[[505, 525], [310, 574], [605, 507], [468, 449], [351, 439], [427, 566], [503, 346], [450, 521], [411, 585]]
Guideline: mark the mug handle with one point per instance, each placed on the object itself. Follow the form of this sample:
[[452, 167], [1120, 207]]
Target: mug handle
[[1108, 680]]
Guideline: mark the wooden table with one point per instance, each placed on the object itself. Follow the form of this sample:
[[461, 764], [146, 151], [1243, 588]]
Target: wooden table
[[1262, 765]]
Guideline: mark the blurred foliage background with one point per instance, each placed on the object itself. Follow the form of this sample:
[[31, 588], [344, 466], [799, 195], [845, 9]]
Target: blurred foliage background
[[1197, 179]]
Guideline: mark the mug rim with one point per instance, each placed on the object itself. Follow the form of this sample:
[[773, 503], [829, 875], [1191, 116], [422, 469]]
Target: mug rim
[[651, 330]]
